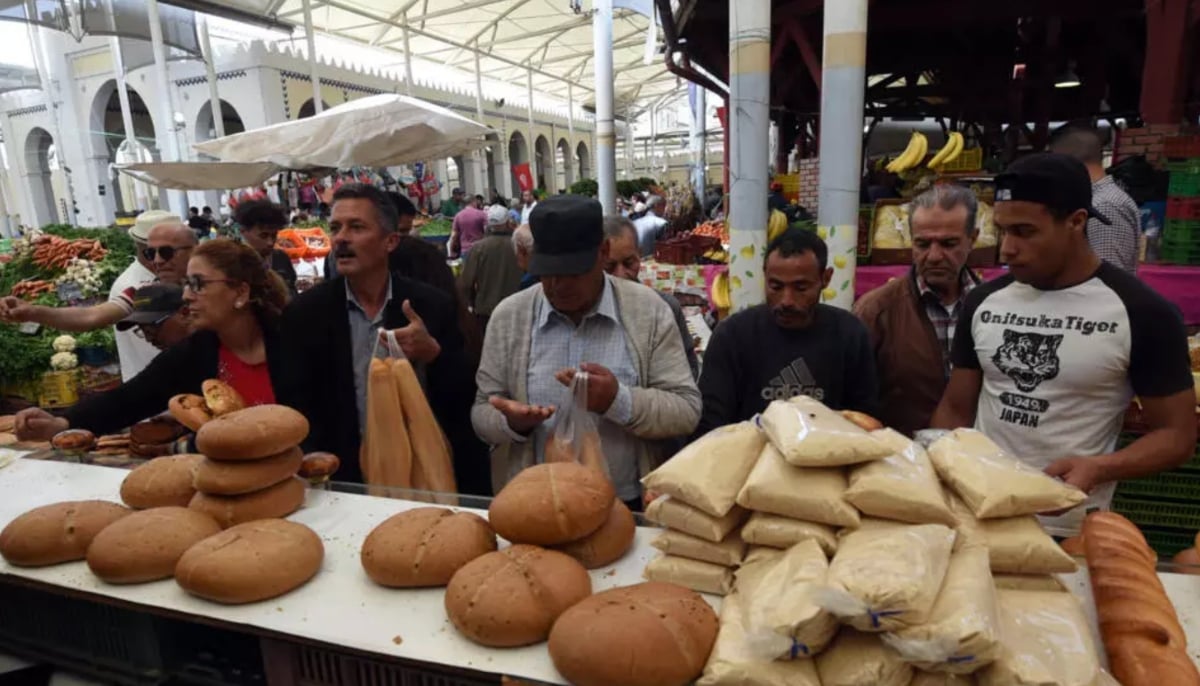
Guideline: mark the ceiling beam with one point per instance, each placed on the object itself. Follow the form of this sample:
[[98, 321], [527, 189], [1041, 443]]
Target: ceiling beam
[[390, 22], [558, 28], [454, 10], [316, 4]]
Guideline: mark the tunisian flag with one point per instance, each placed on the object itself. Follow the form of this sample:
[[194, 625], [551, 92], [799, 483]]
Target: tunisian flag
[[524, 176]]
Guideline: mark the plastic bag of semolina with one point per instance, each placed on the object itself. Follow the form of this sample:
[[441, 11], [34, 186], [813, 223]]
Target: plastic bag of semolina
[[668, 512], [1046, 640], [733, 663], [1016, 545], [709, 472], [728, 553], [784, 532], [903, 486], [781, 619], [941, 679], [702, 577], [859, 659], [811, 494], [962, 632], [1028, 582], [993, 483], [809, 434], [886, 576]]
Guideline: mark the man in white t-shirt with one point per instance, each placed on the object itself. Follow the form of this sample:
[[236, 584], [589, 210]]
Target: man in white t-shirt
[[650, 226], [528, 202], [1047, 358]]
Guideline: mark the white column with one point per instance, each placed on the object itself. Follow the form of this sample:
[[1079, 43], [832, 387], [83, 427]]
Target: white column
[[699, 142], [843, 68], [480, 157], [165, 132], [210, 68], [749, 121], [312, 56], [629, 148], [141, 192], [408, 77], [502, 170], [604, 151], [650, 165], [533, 164], [571, 161]]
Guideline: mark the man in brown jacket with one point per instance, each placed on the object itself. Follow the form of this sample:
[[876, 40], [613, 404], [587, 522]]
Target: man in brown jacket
[[911, 320]]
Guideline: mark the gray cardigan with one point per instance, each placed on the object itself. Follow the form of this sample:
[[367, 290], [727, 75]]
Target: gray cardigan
[[666, 405]]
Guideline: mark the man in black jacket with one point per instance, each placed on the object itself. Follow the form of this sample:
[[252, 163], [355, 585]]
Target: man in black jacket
[[330, 332]]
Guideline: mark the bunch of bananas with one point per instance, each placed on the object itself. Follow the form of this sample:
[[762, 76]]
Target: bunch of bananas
[[913, 155], [717, 255], [949, 152], [721, 297], [777, 224]]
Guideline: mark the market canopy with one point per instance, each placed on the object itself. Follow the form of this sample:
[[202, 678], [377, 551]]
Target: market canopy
[[200, 176], [375, 131]]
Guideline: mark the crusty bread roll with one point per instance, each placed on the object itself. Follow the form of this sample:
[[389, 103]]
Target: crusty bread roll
[[319, 466], [863, 420], [252, 433], [606, 544], [1074, 546], [146, 545], [251, 562], [1188, 561], [161, 482], [551, 504], [190, 410], [424, 546], [61, 532], [512, 597], [160, 430], [221, 398], [277, 501], [73, 441], [651, 634], [236, 478]]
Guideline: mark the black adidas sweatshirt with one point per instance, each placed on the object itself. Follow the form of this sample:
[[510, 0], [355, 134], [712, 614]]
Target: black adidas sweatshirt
[[751, 361]]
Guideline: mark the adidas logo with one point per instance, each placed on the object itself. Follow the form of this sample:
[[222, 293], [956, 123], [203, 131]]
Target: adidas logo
[[795, 379]]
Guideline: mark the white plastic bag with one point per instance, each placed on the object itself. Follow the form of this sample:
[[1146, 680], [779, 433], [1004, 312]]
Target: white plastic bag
[[902, 486], [811, 494], [1046, 641], [733, 663], [668, 512], [1016, 545], [728, 553], [702, 577], [576, 438], [709, 473], [858, 659], [785, 532], [809, 434], [782, 621]]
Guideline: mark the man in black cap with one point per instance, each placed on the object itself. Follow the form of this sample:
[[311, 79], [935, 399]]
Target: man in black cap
[[640, 388], [157, 315], [1047, 358]]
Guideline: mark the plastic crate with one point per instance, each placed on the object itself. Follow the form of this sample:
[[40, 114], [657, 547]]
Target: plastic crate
[[1168, 515], [1168, 542], [1182, 230], [1181, 147], [1179, 252], [1167, 485], [1185, 179], [969, 160], [1183, 209], [288, 664]]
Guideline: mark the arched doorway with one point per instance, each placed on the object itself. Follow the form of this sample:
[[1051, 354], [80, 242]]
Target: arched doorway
[[584, 160], [40, 160], [518, 153], [205, 127], [109, 135], [308, 109], [563, 163], [543, 172]]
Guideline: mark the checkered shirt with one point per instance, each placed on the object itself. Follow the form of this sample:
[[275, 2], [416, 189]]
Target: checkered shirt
[[943, 318], [1115, 243]]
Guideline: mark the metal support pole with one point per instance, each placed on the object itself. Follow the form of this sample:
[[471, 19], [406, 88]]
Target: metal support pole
[[749, 122], [408, 77], [169, 144], [842, 93], [141, 193], [318, 106], [629, 150], [605, 148], [210, 68], [650, 166], [533, 161], [699, 141], [481, 172], [571, 160]]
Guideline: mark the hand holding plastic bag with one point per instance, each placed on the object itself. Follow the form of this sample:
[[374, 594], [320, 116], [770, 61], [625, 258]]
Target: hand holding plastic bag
[[576, 437]]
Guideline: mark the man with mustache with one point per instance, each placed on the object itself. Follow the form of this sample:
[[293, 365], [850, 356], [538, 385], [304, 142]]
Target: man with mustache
[[792, 345], [912, 320]]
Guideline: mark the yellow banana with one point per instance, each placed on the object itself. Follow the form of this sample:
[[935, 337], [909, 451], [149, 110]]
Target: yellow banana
[[957, 139], [898, 163], [720, 291], [777, 225], [940, 158], [918, 146]]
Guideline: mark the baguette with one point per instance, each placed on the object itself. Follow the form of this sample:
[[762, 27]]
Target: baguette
[[1146, 644]]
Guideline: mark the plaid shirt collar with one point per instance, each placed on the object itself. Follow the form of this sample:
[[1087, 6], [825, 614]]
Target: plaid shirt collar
[[967, 281]]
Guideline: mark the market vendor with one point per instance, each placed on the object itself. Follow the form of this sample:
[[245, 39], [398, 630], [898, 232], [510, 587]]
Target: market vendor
[[793, 345], [330, 332], [620, 333], [912, 319], [1047, 358], [260, 222], [134, 352], [234, 304]]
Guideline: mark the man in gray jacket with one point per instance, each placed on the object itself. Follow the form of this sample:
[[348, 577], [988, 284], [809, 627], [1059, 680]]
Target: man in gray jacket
[[640, 388]]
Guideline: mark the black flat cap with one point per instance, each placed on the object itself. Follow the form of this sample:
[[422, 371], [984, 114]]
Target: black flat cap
[[567, 233]]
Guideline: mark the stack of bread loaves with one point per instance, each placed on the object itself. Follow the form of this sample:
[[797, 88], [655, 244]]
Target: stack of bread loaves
[[248, 471]]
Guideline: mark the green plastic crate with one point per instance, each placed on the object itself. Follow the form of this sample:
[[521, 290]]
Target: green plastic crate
[[1168, 515], [1182, 230], [1168, 542], [1170, 485], [1185, 179], [1177, 252]]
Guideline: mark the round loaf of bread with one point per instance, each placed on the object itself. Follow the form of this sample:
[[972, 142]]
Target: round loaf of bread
[[190, 410], [221, 398], [146, 545], [512, 597], [606, 544], [161, 482], [236, 478], [551, 504], [251, 562], [651, 634], [61, 532], [424, 546], [273, 502], [252, 433]]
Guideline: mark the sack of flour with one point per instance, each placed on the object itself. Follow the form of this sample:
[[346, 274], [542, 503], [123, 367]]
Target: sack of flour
[[1028, 582], [808, 434], [709, 473], [858, 659], [811, 494], [962, 632], [902, 486], [733, 662], [886, 576], [1046, 640], [668, 512], [993, 483], [785, 532], [727, 553], [1016, 545], [941, 679], [781, 619], [704, 577]]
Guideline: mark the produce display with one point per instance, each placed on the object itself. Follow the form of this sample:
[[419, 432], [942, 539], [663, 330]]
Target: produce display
[[892, 228]]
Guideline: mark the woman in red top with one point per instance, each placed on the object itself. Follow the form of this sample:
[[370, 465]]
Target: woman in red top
[[234, 304]]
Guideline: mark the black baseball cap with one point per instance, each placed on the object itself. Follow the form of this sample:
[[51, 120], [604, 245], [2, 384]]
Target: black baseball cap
[[567, 233], [152, 304], [1060, 182]]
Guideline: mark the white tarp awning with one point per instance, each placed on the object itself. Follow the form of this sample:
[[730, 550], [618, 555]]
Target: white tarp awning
[[375, 131], [200, 176]]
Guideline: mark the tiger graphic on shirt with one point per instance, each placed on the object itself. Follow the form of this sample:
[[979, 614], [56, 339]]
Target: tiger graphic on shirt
[[1028, 358]]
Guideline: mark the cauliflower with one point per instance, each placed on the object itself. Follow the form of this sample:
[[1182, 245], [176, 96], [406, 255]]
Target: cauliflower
[[62, 361], [64, 344]]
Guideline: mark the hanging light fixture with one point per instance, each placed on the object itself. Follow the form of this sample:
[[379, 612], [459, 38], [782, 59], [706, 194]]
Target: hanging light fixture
[[1068, 78]]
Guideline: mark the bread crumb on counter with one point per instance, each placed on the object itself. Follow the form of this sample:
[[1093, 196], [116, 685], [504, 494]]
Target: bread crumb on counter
[[397, 639]]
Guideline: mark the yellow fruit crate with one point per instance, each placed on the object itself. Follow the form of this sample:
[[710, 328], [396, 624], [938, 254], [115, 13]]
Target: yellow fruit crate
[[970, 159]]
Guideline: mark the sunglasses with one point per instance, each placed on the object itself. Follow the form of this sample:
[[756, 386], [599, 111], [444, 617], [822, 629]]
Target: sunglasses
[[197, 283], [166, 251]]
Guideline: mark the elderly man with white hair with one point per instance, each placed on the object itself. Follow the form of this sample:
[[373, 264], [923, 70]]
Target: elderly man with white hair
[[650, 226], [491, 272], [522, 240]]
